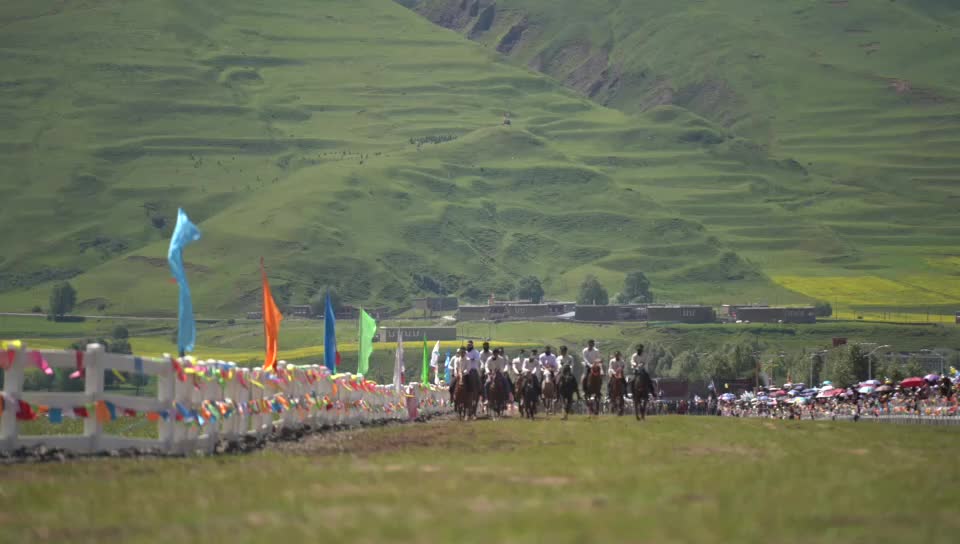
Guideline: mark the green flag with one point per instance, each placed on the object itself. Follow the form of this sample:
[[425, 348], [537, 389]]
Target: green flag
[[368, 327], [425, 373]]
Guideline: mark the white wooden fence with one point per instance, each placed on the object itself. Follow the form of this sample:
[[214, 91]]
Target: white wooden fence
[[198, 403]]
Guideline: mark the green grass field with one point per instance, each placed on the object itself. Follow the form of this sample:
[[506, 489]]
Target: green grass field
[[670, 479], [356, 144]]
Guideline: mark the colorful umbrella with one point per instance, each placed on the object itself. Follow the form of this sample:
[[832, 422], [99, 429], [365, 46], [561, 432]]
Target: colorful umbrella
[[913, 382], [932, 378], [871, 382], [866, 390], [728, 397], [884, 389], [830, 393]]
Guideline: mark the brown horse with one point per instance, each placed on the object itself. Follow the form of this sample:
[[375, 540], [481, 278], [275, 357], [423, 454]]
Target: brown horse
[[497, 395], [462, 398], [594, 387], [617, 392], [550, 392]]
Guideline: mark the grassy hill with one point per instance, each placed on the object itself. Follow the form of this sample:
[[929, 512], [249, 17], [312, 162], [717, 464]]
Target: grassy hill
[[862, 96], [355, 144]]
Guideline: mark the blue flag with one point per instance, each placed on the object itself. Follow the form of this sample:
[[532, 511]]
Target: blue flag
[[330, 354], [184, 234], [446, 365]]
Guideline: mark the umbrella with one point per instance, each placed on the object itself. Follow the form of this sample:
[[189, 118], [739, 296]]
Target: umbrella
[[800, 386], [932, 378], [913, 382], [884, 389], [830, 393], [779, 393], [866, 390], [728, 397], [871, 382]]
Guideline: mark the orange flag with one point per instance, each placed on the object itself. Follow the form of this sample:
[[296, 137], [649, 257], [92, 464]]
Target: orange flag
[[271, 322]]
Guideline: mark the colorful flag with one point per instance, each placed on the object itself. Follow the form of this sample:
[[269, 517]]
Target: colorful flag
[[435, 362], [368, 328], [398, 364], [425, 369], [331, 357], [271, 322], [184, 234]]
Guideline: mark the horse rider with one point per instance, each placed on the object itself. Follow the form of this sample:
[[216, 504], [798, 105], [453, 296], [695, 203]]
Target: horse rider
[[564, 359], [548, 362], [494, 367], [531, 365], [635, 360], [458, 365], [616, 365], [486, 353], [591, 355]]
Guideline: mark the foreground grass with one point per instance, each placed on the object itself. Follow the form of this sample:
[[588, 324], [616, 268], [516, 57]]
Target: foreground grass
[[670, 479]]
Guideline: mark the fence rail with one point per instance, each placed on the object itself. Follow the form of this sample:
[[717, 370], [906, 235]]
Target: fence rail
[[198, 403]]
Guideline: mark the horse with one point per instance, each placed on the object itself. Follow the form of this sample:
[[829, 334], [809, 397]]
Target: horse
[[497, 394], [529, 396], [594, 386], [642, 387], [617, 392], [461, 398], [550, 391], [568, 387]]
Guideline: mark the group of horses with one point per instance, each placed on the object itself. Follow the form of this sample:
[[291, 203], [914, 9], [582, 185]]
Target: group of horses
[[491, 394]]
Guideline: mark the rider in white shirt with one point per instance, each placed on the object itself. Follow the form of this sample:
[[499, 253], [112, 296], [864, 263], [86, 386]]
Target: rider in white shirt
[[548, 362], [616, 364], [637, 358], [486, 353], [564, 359], [591, 355], [516, 365]]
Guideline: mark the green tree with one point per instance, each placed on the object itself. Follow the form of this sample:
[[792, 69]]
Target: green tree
[[840, 369], [593, 292], [913, 368], [860, 362], [823, 309], [62, 299], [636, 288], [121, 333], [529, 287]]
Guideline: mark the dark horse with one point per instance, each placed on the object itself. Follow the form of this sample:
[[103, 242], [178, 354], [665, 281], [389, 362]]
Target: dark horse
[[568, 388], [617, 390], [642, 386], [461, 398], [594, 385], [529, 395], [497, 394]]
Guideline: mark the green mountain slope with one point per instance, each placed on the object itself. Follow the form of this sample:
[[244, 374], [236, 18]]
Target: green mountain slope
[[865, 95], [355, 144]]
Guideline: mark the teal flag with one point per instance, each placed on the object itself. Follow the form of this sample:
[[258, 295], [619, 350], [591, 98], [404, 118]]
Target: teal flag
[[184, 234], [368, 328]]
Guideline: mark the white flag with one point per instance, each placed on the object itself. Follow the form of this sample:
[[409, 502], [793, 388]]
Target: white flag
[[435, 363], [398, 364]]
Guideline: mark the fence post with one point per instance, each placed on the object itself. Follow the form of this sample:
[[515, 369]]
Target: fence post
[[93, 387], [12, 390], [166, 381]]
